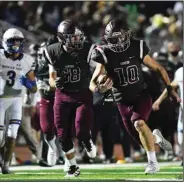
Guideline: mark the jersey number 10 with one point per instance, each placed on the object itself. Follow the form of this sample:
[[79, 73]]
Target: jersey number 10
[[128, 75]]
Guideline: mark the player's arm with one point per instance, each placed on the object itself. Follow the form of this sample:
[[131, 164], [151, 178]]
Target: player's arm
[[48, 55], [152, 64], [28, 77], [52, 76], [100, 69], [32, 80], [164, 95]]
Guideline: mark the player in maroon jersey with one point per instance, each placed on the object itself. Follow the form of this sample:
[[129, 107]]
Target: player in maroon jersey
[[121, 58], [69, 71]]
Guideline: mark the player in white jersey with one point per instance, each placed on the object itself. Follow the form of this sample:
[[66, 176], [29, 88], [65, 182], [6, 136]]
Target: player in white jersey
[[16, 69], [176, 83]]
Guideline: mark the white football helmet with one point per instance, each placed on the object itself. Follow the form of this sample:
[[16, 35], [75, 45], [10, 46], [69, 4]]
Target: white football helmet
[[13, 41]]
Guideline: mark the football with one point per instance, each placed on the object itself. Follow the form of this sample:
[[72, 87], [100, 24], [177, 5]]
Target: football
[[102, 79]]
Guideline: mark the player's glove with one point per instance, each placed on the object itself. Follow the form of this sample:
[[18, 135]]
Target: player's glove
[[59, 82], [26, 82]]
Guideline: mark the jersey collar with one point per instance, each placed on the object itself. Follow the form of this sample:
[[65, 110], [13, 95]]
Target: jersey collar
[[18, 58]]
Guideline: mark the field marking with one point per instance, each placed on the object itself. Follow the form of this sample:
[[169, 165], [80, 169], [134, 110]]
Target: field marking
[[107, 178], [98, 166], [88, 173]]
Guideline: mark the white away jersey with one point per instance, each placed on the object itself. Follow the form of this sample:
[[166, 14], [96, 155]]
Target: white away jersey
[[179, 79], [11, 71]]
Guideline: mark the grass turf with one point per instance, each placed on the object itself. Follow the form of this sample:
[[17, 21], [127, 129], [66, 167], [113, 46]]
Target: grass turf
[[168, 173]]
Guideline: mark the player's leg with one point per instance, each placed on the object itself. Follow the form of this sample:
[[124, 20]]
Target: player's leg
[[83, 126], [137, 114], [141, 111], [180, 132], [14, 115], [47, 127], [27, 131], [5, 103], [62, 112]]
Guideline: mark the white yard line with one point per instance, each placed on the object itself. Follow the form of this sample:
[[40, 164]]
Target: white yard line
[[94, 166], [91, 173]]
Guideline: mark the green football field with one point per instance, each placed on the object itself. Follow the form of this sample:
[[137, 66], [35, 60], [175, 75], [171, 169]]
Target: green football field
[[111, 172]]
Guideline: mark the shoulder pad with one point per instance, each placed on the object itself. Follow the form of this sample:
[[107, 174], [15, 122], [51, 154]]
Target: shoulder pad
[[52, 51], [98, 55]]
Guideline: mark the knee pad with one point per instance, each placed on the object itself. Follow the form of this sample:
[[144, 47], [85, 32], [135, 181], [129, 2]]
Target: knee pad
[[13, 129], [66, 145], [139, 124]]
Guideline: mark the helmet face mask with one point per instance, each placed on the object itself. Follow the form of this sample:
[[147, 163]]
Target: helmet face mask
[[14, 45], [70, 36], [13, 41], [118, 39]]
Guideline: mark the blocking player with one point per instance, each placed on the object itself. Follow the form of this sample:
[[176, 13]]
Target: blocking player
[[68, 60], [120, 59], [177, 82], [16, 69]]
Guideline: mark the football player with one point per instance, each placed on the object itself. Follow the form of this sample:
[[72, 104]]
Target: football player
[[46, 106], [120, 59], [69, 66], [16, 69], [177, 82]]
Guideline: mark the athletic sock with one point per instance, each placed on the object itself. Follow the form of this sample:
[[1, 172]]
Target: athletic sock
[[72, 161], [151, 155]]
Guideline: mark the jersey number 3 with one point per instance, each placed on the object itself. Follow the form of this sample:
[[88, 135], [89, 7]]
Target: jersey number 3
[[129, 75], [11, 80]]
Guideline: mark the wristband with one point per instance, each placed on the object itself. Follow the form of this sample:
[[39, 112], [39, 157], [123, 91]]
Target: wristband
[[26, 82]]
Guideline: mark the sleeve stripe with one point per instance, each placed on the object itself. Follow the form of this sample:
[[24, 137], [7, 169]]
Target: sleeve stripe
[[141, 49], [47, 55], [103, 54], [90, 51]]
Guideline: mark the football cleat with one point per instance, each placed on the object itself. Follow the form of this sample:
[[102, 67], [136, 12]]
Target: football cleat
[[51, 157], [6, 170], [43, 163], [163, 143], [90, 149], [152, 168], [74, 171]]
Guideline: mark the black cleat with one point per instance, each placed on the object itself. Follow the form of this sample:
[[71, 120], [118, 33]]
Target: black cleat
[[43, 163], [74, 171], [60, 161], [6, 170]]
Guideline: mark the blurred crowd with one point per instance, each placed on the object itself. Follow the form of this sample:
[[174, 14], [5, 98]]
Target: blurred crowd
[[161, 28]]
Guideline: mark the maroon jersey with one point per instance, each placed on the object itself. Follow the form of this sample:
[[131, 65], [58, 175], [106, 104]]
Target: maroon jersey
[[72, 68], [124, 68]]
